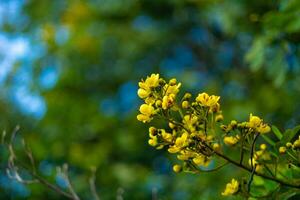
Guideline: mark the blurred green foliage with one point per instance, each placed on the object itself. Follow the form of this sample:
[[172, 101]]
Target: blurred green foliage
[[96, 51]]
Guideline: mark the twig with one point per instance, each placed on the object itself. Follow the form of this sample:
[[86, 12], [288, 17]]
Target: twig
[[65, 174], [92, 181], [253, 167]]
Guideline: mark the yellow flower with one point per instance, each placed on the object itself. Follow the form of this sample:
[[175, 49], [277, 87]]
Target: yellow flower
[[185, 104], [257, 124], [230, 140], [173, 81], [219, 118], [296, 144], [216, 147], [167, 136], [147, 85], [172, 89], [142, 93], [186, 154], [152, 141], [171, 125], [189, 122], [201, 160], [180, 142], [152, 81], [177, 168], [146, 113], [282, 150], [289, 145], [152, 132], [263, 128], [205, 100], [263, 147], [255, 163], [231, 188], [254, 121], [168, 101]]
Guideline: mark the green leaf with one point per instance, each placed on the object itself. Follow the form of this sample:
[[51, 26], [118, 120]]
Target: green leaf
[[277, 132], [287, 195], [268, 140], [289, 135]]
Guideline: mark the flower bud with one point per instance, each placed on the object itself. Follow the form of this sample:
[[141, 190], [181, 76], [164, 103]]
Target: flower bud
[[219, 118], [177, 168], [289, 145], [173, 81], [185, 104], [282, 150], [158, 103], [263, 147], [216, 147], [187, 96]]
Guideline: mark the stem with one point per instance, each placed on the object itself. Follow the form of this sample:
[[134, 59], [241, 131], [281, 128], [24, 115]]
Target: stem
[[250, 170], [251, 157], [45, 182], [242, 149]]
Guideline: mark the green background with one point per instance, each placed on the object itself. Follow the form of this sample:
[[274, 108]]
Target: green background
[[69, 71]]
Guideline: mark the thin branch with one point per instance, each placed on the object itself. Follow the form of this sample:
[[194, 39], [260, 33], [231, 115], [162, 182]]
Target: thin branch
[[65, 173], [12, 170], [214, 169], [250, 170], [242, 149], [253, 167], [92, 181]]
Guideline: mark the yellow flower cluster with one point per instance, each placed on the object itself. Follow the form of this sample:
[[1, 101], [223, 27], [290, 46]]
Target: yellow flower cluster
[[156, 94], [187, 136], [192, 132], [231, 188], [256, 124], [209, 101], [296, 144]]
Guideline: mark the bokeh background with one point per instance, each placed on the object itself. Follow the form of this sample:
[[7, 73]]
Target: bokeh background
[[69, 71]]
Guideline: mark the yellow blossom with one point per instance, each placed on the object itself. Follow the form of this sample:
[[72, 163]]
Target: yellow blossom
[[146, 86], [186, 154], [180, 142], [231, 140], [177, 168], [146, 113], [189, 121], [185, 104], [263, 128], [205, 100], [216, 147], [282, 150], [172, 81], [167, 136], [257, 124], [152, 81], [152, 141], [171, 125], [172, 89], [289, 145], [296, 144], [231, 188], [142, 93], [219, 118], [263, 147], [168, 101], [201, 160]]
